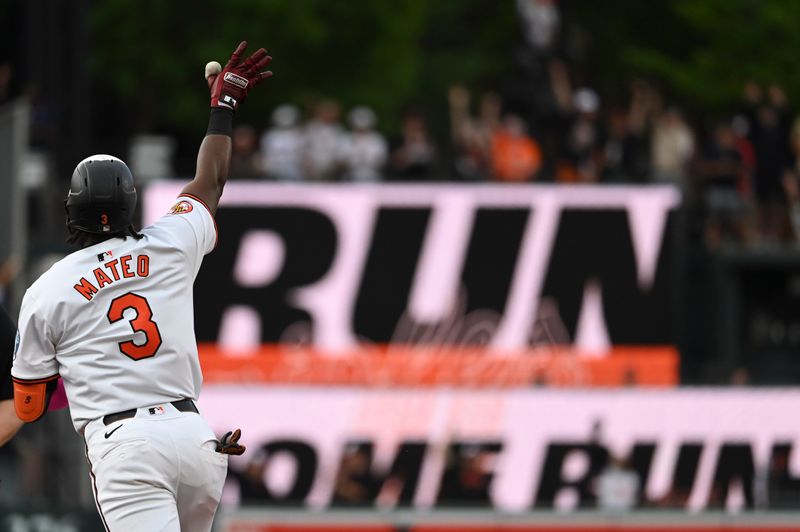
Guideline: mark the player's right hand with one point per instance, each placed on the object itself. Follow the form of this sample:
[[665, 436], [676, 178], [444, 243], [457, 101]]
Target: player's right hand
[[229, 85]]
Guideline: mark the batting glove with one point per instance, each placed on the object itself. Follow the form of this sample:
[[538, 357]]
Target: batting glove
[[229, 444], [229, 85]]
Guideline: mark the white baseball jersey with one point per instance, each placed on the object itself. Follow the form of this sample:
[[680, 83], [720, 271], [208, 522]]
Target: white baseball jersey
[[115, 320]]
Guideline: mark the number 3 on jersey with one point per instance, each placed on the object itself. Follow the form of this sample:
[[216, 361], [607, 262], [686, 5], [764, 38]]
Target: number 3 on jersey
[[143, 322]]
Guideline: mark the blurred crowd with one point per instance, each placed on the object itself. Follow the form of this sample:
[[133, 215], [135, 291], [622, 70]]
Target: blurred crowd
[[740, 173], [543, 123], [322, 149]]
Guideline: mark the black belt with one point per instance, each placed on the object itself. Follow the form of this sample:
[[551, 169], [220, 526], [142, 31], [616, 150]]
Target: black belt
[[184, 405]]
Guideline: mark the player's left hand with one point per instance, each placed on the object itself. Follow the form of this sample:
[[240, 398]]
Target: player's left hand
[[229, 444], [229, 85]]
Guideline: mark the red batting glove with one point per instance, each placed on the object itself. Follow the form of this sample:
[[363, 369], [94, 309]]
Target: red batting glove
[[229, 87]]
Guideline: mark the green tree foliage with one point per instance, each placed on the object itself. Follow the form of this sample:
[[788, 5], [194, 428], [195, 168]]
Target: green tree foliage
[[392, 53], [382, 53], [702, 51]]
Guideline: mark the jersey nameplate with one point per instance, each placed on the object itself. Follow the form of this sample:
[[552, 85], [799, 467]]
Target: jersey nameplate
[[112, 271]]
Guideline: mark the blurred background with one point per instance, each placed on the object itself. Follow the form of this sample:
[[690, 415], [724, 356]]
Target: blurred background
[[482, 265]]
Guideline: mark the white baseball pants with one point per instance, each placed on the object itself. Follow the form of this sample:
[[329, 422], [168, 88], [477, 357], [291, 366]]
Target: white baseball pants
[[157, 471]]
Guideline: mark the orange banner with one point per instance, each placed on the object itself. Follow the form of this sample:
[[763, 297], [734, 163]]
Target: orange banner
[[393, 366]]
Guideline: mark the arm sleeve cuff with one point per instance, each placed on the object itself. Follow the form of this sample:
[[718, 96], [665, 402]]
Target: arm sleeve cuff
[[220, 122]]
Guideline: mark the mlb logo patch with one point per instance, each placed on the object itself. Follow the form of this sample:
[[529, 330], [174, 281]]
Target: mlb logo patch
[[156, 410]]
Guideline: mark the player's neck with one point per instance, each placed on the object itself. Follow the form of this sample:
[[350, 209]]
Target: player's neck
[[82, 239], [94, 241]]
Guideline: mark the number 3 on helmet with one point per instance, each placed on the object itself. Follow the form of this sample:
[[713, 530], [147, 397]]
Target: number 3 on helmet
[[101, 190]]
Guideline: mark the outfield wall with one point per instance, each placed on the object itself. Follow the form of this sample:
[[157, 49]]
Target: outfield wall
[[509, 450], [506, 267]]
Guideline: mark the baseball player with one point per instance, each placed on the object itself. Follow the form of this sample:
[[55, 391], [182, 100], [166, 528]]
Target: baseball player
[[9, 422], [114, 320]]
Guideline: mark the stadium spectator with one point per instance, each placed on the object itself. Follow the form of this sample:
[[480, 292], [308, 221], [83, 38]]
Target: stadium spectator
[[583, 146], [721, 173], [514, 155], [472, 136], [783, 489], [630, 144], [791, 181], [541, 22], [355, 485], [645, 104], [794, 142], [43, 128], [414, 157], [324, 137], [364, 150], [615, 147], [672, 148], [9, 268], [741, 129], [769, 126], [792, 189], [740, 377], [554, 120], [245, 158], [617, 486], [282, 146], [467, 476]]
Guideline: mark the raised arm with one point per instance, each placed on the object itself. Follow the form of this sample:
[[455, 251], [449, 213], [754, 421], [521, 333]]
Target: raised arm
[[229, 87]]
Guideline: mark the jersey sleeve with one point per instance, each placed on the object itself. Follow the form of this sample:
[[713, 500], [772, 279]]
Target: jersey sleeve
[[190, 226], [35, 355], [8, 334]]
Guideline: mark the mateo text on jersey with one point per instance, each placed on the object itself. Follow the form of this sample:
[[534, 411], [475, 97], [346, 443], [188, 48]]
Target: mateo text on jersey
[[112, 271]]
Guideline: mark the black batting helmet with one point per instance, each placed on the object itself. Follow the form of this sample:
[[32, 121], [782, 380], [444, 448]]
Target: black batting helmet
[[101, 197]]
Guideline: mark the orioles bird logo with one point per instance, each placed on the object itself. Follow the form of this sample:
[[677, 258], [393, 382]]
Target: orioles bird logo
[[182, 207]]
